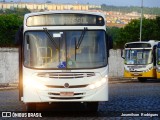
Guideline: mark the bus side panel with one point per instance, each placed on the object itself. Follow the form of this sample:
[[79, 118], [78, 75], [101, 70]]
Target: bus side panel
[[20, 75], [19, 43]]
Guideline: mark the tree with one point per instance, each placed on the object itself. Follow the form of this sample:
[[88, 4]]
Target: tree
[[158, 21], [18, 11], [149, 29], [114, 33], [9, 25], [131, 32]]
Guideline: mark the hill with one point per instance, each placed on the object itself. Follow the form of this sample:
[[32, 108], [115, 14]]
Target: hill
[[126, 9]]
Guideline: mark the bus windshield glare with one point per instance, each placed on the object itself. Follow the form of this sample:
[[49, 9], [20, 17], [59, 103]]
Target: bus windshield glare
[[140, 56], [58, 49]]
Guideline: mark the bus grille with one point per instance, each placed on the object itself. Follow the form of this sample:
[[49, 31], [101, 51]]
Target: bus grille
[[66, 75], [73, 86], [58, 94], [136, 67]]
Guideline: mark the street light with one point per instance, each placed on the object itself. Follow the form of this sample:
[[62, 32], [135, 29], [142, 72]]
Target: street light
[[141, 21]]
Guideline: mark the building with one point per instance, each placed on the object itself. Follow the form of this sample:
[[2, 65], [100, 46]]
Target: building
[[47, 6], [113, 18]]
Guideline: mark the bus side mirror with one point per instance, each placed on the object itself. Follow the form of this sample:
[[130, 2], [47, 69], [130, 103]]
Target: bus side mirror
[[19, 36], [123, 53], [110, 42]]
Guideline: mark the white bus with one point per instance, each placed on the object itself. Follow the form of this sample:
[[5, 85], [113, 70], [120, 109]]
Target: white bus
[[140, 60], [63, 58]]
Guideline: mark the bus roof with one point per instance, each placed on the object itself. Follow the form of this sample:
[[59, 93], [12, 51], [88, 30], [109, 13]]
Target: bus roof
[[150, 42], [64, 11]]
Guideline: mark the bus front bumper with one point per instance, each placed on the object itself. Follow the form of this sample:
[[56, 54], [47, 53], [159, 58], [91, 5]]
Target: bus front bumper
[[32, 95], [146, 74]]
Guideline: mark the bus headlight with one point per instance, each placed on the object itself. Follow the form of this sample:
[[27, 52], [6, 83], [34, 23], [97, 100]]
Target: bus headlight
[[98, 83], [28, 81]]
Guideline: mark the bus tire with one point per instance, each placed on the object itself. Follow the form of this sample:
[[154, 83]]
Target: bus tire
[[30, 107], [92, 106], [142, 79]]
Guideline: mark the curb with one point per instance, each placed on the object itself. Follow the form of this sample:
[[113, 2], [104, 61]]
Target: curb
[[121, 80], [8, 86]]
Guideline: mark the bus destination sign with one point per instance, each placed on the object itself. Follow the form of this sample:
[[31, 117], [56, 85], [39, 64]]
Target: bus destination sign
[[65, 19]]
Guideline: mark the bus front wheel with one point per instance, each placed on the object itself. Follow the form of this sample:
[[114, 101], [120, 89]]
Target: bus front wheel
[[142, 79], [31, 107], [92, 106]]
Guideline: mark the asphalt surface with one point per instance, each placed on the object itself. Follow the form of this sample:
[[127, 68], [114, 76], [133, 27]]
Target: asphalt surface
[[128, 99]]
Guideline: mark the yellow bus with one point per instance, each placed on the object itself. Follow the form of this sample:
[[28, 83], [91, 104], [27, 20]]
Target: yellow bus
[[140, 60]]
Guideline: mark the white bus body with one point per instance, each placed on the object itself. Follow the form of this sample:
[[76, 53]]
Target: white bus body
[[64, 59]]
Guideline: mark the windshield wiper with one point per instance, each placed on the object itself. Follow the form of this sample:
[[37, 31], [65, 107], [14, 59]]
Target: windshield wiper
[[77, 45], [50, 37], [81, 38]]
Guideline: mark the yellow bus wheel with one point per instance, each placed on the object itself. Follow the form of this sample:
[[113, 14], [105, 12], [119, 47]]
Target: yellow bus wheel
[[142, 79]]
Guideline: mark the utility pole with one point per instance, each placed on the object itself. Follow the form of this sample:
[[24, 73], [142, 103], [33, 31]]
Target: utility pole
[[33, 4], [141, 21]]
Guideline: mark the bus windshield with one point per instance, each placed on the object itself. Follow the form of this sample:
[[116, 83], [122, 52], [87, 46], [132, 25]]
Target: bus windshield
[[58, 49], [140, 56]]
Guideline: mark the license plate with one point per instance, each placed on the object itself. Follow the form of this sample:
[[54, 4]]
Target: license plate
[[136, 74], [66, 93]]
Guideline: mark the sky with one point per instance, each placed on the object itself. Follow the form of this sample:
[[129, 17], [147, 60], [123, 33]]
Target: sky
[[146, 3]]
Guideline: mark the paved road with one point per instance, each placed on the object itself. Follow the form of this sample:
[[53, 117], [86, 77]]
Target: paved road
[[128, 97]]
